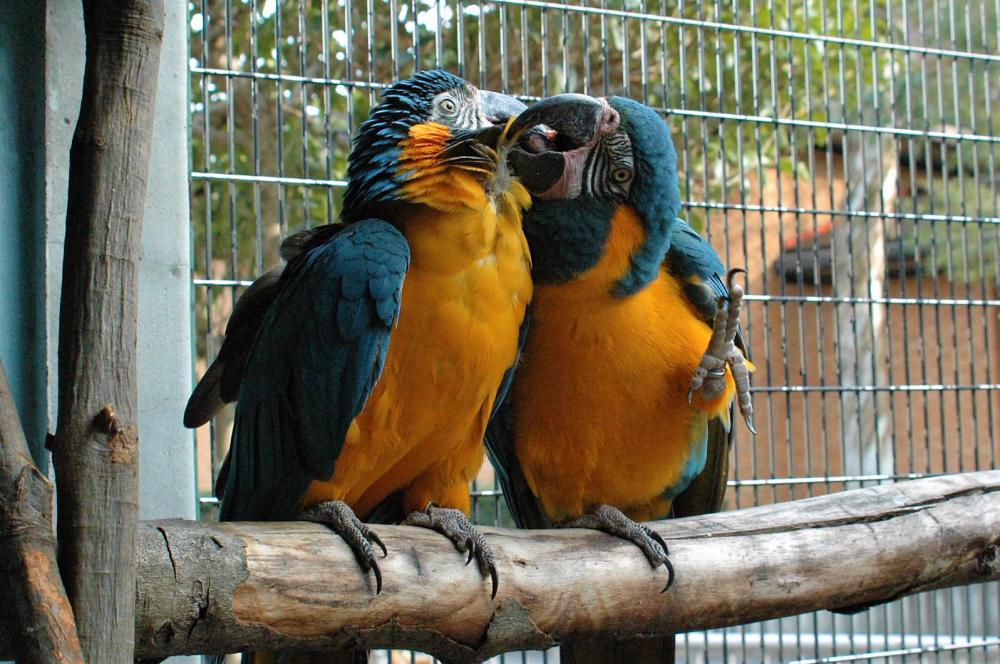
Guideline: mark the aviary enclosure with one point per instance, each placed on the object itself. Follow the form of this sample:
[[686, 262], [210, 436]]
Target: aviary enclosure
[[844, 152]]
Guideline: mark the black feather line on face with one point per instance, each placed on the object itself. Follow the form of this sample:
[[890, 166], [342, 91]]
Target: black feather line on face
[[466, 151], [654, 191]]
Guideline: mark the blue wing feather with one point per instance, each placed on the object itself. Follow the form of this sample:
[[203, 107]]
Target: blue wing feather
[[500, 450], [524, 505], [508, 377], [316, 359], [693, 260]]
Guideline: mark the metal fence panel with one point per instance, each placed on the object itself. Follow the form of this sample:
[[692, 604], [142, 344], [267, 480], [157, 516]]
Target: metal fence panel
[[844, 152]]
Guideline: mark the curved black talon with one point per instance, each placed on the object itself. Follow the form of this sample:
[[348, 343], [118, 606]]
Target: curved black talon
[[378, 576], [340, 518], [732, 273], [472, 550], [454, 525], [655, 536], [613, 521], [494, 579], [670, 575]]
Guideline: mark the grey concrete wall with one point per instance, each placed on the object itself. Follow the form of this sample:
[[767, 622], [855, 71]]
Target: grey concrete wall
[[166, 447], [22, 215], [167, 458]]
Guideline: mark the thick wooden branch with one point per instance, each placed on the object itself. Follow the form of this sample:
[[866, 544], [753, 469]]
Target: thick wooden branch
[[95, 452], [225, 587], [41, 622]]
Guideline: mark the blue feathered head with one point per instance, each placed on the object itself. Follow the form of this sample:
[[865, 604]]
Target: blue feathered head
[[375, 171], [623, 156]]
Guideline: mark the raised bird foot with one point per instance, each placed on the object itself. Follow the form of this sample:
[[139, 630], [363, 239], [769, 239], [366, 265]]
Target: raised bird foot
[[710, 376], [612, 521], [454, 525], [340, 518]]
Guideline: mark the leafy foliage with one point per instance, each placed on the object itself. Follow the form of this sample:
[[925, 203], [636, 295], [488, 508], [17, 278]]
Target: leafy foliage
[[278, 88]]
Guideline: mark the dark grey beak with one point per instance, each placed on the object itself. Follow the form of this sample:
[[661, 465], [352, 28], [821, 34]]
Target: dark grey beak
[[499, 107], [574, 123], [576, 118]]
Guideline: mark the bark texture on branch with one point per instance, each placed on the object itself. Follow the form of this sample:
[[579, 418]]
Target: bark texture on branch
[[225, 587], [40, 625], [95, 452]]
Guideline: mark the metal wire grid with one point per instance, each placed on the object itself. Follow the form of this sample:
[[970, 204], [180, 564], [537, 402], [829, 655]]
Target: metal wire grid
[[845, 152]]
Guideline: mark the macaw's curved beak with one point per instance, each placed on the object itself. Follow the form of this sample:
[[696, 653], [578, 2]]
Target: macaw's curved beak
[[550, 163], [577, 118], [499, 107]]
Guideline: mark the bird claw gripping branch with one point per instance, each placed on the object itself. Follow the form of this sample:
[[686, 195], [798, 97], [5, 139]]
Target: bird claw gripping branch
[[709, 377], [613, 521], [340, 518], [454, 525]]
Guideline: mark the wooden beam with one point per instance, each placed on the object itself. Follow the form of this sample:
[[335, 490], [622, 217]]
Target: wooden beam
[[41, 622], [95, 450], [212, 588]]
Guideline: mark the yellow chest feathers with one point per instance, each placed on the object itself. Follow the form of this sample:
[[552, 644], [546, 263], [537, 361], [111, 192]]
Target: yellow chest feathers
[[469, 282], [601, 391], [464, 299]]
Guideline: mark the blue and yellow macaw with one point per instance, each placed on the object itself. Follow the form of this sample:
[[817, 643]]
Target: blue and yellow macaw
[[377, 356], [621, 408], [220, 385]]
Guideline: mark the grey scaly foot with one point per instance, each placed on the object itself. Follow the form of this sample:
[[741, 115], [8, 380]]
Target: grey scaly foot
[[454, 525], [710, 375], [612, 521], [340, 518]]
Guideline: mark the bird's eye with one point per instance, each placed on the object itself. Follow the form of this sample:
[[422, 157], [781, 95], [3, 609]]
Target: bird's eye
[[621, 175], [447, 106]]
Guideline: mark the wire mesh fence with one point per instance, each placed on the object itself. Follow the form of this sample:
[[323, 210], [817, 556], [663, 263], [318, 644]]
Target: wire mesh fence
[[844, 152]]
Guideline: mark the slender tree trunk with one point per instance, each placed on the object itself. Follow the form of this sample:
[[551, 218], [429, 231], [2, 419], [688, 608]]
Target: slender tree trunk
[[95, 452], [859, 272], [41, 622]]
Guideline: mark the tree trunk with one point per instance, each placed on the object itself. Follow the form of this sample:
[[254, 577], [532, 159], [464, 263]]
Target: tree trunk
[[871, 161], [95, 452], [42, 620], [216, 588]]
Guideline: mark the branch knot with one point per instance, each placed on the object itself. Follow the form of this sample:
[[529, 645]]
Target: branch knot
[[122, 441]]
